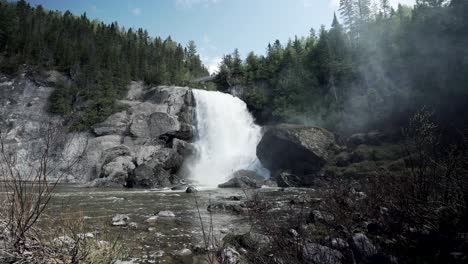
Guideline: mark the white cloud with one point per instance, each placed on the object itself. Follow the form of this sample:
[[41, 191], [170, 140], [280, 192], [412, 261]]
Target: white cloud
[[191, 3], [208, 43], [136, 11], [334, 3], [211, 63], [206, 39]]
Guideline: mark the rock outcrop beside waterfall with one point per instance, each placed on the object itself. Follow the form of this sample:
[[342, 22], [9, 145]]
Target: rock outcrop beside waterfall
[[144, 145], [295, 154]]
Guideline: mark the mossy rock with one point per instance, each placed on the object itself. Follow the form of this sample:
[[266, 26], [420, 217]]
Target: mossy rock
[[376, 153], [356, 170]]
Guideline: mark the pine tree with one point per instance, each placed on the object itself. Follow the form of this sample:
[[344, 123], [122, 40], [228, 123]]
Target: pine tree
[[385, 7], [348, 12]]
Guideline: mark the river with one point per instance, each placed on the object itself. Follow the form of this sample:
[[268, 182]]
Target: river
[[151, 242]]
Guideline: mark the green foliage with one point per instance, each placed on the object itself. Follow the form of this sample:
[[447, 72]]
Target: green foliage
[[100, 58], [368, 73]]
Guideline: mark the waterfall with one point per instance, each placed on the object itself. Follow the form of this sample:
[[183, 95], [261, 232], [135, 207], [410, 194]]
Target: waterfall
[[227, 138]]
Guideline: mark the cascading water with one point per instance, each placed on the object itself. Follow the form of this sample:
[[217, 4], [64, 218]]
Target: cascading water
[[227, 138]]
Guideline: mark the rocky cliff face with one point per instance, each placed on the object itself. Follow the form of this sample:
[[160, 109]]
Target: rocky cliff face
[[145, 145]]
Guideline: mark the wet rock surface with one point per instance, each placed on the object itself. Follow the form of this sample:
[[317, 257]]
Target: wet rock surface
[[244, 179]]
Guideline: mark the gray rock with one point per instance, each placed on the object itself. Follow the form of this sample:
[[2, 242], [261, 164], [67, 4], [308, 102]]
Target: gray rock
[[191, 189], [152, 219], [145, 153], [339, 243], [169, 159], [120, 220], [88, 235], [110, 154], [362, 246], [162, 123], [119, 170], [151, 177], [318, 254], [115, 124], [175, 97], [94, 158], [24, 119], [301, 150], [154, 125], [186, 132], [166, 214], [244, 179], [229, 256], [124, 262], [139, 108], [184, 148], [182, 252]]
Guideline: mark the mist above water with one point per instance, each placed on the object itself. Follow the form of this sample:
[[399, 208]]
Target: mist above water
[[227, 138]]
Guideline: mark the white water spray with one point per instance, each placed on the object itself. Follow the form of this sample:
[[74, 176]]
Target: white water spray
[[227, 138]]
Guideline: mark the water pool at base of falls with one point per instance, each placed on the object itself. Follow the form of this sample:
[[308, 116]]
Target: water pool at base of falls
[[96, 206]]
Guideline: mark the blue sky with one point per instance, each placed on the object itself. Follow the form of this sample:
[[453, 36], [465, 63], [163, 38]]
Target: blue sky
[[217, 26]]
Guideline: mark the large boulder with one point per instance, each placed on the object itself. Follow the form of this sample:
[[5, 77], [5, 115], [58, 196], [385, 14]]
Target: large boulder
[[184, 148], [150, 177], [119, 169], [153, 125], [180, 102], [362, 246], [111, 154], [94, 157], [145, 153], [168, 159], [300, 150], [176, 98], [244, 179]]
